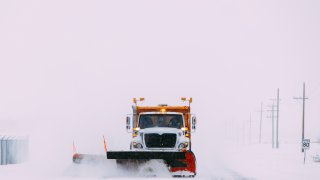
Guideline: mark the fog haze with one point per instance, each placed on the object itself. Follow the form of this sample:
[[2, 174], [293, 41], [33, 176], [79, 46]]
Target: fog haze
[[69, 69]]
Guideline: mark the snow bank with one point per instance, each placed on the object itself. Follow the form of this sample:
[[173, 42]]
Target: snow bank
[[263, 162]]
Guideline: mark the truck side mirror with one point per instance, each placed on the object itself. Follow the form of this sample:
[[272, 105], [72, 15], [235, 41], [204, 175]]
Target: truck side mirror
[[193, 123], [128, 123]]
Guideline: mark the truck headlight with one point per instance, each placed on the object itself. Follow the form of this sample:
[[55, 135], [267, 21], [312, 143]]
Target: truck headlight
[[137, 145], [181, 146]]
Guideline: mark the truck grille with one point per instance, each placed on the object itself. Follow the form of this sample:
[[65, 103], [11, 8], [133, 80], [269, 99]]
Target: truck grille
[[167, 140]]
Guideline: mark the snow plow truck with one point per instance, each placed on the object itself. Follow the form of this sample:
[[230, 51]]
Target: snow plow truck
[[159, 132]]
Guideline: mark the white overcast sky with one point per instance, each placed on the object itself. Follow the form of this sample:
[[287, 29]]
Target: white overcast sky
[[72, 67]]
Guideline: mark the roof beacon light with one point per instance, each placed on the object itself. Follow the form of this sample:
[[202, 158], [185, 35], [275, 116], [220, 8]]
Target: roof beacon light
[[185, 99], [135, 100]]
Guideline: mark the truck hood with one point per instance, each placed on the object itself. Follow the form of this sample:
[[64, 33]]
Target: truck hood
[[160, 130]]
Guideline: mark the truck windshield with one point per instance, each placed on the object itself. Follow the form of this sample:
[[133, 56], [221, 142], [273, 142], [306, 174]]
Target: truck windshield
[[160, 120]]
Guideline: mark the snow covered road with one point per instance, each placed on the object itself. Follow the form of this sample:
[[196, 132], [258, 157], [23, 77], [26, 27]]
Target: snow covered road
[[236, 163], [89, 172]]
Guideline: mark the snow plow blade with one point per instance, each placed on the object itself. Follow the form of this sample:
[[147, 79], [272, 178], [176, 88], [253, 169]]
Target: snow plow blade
[[88, 158], [145, 155], [180, 164]]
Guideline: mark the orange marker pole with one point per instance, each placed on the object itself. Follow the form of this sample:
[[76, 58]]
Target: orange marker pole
[[105, 144]]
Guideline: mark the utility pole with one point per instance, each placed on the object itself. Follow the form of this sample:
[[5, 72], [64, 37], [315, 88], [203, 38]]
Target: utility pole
[[273, 124], [250, 131], [277, 134], [261, 113], [244, 132], [272, 116], [303, 111]]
